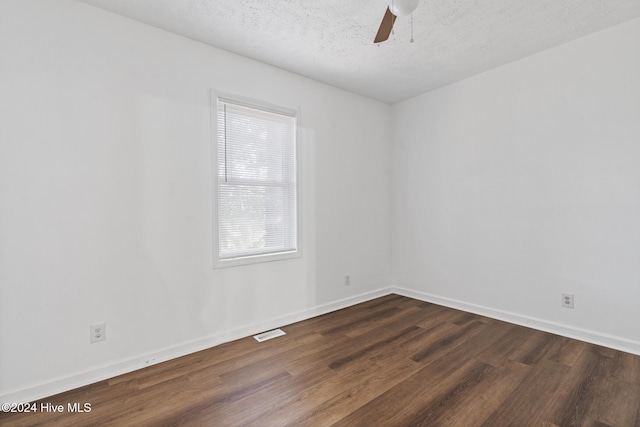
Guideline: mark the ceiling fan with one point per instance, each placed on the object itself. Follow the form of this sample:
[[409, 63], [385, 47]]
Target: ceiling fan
[[396, 8]]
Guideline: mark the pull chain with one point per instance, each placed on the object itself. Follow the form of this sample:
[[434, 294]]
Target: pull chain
[[393, 30], [411, 27]]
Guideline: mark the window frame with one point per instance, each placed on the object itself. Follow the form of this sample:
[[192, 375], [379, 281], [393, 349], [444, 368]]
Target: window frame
[[248, 259]]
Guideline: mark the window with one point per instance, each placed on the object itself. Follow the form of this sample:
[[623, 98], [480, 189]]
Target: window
[[256, 192]]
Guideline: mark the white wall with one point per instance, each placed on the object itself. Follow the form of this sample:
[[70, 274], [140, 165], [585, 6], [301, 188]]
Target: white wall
[[521, 183], [105, 197]]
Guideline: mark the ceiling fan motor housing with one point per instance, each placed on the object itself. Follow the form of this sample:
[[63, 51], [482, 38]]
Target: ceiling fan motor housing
[[403, 7]]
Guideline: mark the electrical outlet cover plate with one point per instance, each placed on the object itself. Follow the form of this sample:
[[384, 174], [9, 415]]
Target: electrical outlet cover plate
[[567, 300], [98, 332]]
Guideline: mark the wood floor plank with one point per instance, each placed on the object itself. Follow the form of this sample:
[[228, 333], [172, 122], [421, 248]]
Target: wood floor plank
[[627, 367], [384, 340], [440, 408], [391, 361], [533, 349], [570, 401], [361, 387], [447, 342], [291, 399], [486, 337], [616, 403], [566, 350], [423, 390], [501, 350], [486, 397], [524, 405]]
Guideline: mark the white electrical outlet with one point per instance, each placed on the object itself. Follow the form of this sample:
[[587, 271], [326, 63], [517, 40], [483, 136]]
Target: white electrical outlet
[[567, 300], [347, 279], [98, 332]]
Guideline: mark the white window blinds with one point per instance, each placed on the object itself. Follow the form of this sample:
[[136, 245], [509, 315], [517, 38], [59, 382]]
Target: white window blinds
[[256, 175]]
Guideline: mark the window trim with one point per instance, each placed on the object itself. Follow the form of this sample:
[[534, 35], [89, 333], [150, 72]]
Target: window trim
[[248, 259]]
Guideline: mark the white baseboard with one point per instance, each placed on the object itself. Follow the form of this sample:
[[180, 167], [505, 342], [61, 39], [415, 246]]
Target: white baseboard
[[51, 388], [617, 343]]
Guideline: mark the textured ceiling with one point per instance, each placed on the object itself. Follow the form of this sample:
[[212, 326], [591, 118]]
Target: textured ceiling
[[332, 40]]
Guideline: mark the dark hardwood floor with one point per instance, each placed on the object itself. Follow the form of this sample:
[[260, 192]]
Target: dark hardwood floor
[[393, 361]]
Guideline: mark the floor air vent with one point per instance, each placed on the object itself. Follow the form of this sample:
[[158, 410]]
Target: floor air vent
[[269, 334]]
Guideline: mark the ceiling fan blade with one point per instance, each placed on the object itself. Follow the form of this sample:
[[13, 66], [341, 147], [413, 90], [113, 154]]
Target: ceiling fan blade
[[385, 26]]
